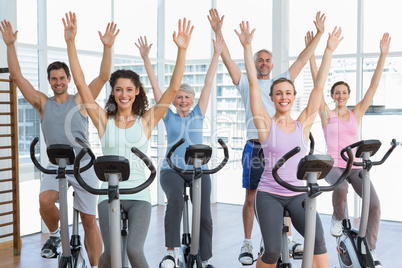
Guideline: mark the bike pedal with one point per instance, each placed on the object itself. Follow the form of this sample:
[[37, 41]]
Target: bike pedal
[[298, 255]]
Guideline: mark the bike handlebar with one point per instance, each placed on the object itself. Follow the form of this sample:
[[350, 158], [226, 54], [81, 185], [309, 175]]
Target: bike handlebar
[[206, 171], [134, 190], [50, 171], [375, 163], [294, 188]]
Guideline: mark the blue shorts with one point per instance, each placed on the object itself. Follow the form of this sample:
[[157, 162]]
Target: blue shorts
[[252, 166]]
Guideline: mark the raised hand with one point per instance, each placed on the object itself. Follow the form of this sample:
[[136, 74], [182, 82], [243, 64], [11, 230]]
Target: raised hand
[[334, 39], [245, 36], [384, 43], [320, 22], [182, 39], [9, 37], [215, 21], [218, 44], [70, 26], [143, 46], [110, 34], [308, 38]]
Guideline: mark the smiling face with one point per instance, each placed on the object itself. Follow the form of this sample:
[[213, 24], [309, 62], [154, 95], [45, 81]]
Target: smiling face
[[340, 95], [263, 64], [124, 93], [58, 81], [183, 102], [283, 96]]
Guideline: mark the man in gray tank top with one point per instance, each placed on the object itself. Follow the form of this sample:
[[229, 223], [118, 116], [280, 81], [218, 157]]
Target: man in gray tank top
[[63, 118]]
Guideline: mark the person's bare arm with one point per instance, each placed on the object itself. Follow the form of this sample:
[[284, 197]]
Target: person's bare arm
[[95, 112], [209, 78], [306, 54], [216, 24], [36, 98], [308, 115], [262, 120], [324, 111], [107, 40], [182, 40], [363, 105], [144, 49]]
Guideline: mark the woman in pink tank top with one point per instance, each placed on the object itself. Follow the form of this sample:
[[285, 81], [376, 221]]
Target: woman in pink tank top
[[270, 204], [340, 127]]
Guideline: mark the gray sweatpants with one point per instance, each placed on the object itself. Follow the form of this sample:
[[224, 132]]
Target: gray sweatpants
[[269, 210], [173, 185], [139, 216], [339, 201]]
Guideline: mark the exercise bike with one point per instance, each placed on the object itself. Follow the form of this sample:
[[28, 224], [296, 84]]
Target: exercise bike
[[196, 155], [286, 253], [311, 168], [63, 155], [113, 169], [352, 247]]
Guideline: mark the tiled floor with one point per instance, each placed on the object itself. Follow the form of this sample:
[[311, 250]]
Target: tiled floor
[[227, 240]]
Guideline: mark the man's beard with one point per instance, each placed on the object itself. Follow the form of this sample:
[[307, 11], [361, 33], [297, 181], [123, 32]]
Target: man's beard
[[263, 74]]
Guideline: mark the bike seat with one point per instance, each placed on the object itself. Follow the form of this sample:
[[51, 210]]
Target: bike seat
[[112, 164]]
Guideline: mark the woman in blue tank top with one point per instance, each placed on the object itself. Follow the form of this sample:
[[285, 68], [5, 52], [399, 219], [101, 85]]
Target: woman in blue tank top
[[189, 125], [125, 122], [275, 134]]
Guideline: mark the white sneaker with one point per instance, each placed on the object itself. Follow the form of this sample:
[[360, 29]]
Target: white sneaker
[[246, 254], [377, 262], [168, 260], [336, 227], [294, 247]]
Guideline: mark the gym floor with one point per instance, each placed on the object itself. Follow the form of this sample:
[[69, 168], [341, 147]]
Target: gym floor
[[227, 240]]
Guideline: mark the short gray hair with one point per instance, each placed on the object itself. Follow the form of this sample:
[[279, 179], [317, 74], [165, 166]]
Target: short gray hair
[[262, 50], [188, 89]]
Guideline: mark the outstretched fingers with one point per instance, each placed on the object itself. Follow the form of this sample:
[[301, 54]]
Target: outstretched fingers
[[335, 38], [385, 43]]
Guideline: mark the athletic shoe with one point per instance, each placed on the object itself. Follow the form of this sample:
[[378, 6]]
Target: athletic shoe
[[377, 262], [246, 254], [336, 227], [49, 249], [168, 260], [294, 247], [206, 264]]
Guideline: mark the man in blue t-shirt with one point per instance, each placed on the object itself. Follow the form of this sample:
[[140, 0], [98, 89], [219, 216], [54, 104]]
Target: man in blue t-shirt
[[252, 167]]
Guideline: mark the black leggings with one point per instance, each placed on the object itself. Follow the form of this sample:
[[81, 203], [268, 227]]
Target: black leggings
[[269, 209]]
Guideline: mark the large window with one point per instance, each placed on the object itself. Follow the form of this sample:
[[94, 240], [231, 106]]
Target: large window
[[354, 62]]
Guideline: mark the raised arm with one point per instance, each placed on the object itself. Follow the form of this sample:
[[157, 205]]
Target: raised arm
[[308, 115], [306, 54], [313, 65], [95, 112], [209, 78], [324, 111], [216, 24], [107, 40], [363, 105], [261, 118], [36, 98], [144, 51], [182, 40]]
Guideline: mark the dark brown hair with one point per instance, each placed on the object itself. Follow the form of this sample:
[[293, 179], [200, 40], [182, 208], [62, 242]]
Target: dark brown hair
[[57, 65], [140, 104], [338, 84]]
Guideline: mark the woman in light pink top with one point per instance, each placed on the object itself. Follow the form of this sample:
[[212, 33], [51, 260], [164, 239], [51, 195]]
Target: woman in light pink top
[[340, 128]]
